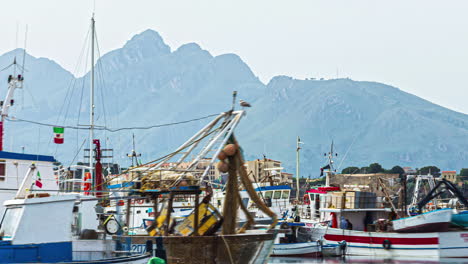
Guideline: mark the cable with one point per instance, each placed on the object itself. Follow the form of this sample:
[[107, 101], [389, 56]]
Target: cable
[[154, 161], [111, 129]]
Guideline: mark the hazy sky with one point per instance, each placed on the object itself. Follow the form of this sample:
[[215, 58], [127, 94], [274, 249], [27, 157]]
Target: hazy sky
[[418, 46]]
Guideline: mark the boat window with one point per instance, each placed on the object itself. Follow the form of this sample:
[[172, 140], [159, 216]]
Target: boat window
[[2, 170], [277, 195], [245, 201], [268, 194], [10, 222], [285, 195]]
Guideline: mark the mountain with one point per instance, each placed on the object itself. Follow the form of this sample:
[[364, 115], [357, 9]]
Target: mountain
[[145, 83]]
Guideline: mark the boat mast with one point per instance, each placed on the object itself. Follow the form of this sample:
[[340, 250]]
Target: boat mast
[[14, 82], [298, 147], [91, 105], [331, 169]]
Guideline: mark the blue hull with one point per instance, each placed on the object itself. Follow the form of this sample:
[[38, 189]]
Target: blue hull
[[55, 253], [35, 253], [460, 219]]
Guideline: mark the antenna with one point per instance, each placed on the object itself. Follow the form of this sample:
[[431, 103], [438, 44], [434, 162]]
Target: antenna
[[134, 155], [331, 154], [234, 94], [24, 49], [298, 148]]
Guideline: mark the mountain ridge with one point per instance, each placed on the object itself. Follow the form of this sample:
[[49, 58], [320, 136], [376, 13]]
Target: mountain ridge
[[148, 83]]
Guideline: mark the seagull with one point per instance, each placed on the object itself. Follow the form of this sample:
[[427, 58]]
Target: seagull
[[244, 103]]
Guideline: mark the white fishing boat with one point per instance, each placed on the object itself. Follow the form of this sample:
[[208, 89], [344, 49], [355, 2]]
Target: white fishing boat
[[62, 228], [301, 249], [14, 165], [433, 221], [453, 244]]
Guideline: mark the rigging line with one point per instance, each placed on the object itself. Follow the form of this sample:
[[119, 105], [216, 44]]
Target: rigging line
[[74, 83], [77, 153], [102, 80], [355, 137], [81, 101], [155, 161], [110, 129], [73, 79], [346, 153], [24, 48]]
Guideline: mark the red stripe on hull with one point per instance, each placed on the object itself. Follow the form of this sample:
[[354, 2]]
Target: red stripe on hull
[[380, 240], [426, 228]]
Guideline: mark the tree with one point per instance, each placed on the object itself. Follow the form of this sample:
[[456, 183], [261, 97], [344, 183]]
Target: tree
[[350, 170], [375, 168], [397, 170], [364, 170], [433, 170], [464, 172]]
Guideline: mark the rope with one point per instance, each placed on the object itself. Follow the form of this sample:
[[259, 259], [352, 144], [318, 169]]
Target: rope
[[228, 249], [154, 161], [111, 129]]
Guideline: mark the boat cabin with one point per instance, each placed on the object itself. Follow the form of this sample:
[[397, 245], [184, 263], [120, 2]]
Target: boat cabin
[[344, 209], [275, 197], [32, 229], [13, 168]]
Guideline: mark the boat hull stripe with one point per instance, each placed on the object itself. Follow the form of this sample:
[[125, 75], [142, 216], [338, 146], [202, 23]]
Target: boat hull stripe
[[380, 240]]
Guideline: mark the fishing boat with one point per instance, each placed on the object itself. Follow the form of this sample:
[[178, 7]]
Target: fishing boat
[[433, 221], [206, 235], [61, 228], [301, 249], [14, 165], [389, 244], [366, 202]]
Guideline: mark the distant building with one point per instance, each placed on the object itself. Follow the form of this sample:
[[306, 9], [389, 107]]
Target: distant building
[[366, 182], [409, 170], [268, 171], [213, 172], [449, 175], [287, 178]]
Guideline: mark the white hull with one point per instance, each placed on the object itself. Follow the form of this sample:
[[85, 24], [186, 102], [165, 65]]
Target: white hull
[[430, 245], [309, 249], [434, 221]]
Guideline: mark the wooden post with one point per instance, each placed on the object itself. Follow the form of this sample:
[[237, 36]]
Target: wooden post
[[195, 222], [168, 215], [230, 201]]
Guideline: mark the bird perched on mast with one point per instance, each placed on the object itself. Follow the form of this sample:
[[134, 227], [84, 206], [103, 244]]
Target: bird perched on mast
[[244, 103]]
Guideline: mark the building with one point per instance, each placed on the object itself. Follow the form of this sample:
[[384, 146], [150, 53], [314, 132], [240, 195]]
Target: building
[[409, 170], [365, 182], [267, 171], [213, 172], [449, 175]]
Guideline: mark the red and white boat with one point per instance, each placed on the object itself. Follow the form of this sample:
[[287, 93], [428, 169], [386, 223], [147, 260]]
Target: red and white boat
[[391, 244], [433, 221]]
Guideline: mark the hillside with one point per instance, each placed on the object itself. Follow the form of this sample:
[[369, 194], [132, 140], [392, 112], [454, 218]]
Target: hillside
[[145, 82]]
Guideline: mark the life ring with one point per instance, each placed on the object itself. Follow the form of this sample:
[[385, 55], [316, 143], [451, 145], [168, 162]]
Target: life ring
[[306, 199], [387, 244], [140, 201]]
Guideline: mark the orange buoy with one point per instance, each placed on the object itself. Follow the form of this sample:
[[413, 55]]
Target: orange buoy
[[223, 167], [183, 183], [222, 155], [230, 149]]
